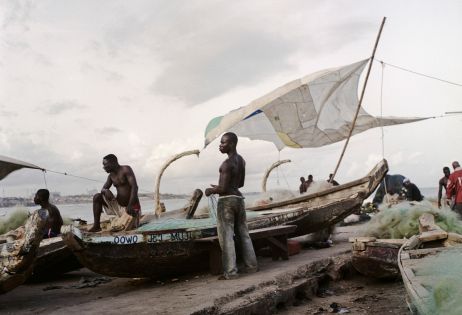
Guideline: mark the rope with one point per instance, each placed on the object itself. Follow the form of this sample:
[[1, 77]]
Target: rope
[[212, 199], [381, 127], [45, 178], [418, 73]]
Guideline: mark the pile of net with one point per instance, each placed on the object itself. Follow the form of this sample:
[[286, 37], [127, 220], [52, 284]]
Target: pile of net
[[16, 219], [446, 290], [402, 220]]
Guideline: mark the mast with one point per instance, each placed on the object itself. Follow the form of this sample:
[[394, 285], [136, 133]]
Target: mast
[[360, 99]]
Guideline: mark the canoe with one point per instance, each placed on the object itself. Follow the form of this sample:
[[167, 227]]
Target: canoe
[[170, 245], [376, 258], [53, 259], [17, 256], [423, 289]]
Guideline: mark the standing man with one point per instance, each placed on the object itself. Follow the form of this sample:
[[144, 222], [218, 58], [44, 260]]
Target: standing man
[[308, 182], [332, 181], [123, 179], [301, 188], [454, 188], [443, 183], [55, 221], [231, 211]]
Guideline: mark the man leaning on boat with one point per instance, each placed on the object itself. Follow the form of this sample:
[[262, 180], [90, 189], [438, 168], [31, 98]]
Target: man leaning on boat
[[126, 205], [231, 218]]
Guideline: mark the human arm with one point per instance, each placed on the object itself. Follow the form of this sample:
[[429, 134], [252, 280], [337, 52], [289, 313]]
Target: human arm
[[440, 193], [133, 190], [223, 182], [105, 190]]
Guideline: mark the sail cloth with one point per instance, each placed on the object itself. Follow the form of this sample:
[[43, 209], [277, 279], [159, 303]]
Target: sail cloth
[[8, 165], [313, 111]]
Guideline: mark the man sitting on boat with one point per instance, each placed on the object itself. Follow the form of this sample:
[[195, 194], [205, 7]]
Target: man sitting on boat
[[126, 201], [54, 221], [231, 210], [302, 189]]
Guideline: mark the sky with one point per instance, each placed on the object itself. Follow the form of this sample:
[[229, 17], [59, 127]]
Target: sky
[[141, 79]]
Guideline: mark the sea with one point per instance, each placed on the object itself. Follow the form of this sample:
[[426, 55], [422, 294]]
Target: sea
[[84, 210]]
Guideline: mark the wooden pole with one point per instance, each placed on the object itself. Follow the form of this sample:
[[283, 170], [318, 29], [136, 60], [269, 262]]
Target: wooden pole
[[360, 100]]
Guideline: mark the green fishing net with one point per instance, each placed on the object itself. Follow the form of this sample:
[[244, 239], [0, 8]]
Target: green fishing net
[[443, 278], [15, 220], [402, 220]]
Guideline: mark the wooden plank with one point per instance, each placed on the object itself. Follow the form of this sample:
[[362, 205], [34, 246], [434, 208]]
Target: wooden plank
[[433, 235], [363, 239]]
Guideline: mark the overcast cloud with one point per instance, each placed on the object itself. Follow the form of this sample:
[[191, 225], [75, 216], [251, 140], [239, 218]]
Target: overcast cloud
[[141, 79]]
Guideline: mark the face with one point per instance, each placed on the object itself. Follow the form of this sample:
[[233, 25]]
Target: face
[[37, 199], [446, 172], [225, 144], [108, 166]]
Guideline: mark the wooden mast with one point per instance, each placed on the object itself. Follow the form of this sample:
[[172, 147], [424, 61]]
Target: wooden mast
[[360, 100]]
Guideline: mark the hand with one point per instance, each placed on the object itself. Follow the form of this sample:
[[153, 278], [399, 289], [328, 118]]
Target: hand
[[107, 194], [208, 191], [130, 211]]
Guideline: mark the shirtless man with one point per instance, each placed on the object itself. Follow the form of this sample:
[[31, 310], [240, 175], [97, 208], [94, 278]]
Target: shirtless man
[[123, 179], [443, 183], [54, 221], [231, 210]]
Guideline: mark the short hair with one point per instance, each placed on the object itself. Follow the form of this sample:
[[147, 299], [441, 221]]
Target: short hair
[[455, 164], [231, 136], [446, 169], [44, 194], [310, 176], [111, 158]]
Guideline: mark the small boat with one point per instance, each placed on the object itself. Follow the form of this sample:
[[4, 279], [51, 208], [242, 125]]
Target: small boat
[[19, 252], [424, 250], [376, 258], [171, 245]]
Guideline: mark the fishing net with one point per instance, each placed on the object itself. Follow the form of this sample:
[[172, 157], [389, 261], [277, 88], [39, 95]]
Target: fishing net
[[443, 278], [15, 220], [402, 220]]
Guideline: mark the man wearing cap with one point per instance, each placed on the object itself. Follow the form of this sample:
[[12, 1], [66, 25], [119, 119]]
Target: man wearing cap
[[412, 192], [454, 188]]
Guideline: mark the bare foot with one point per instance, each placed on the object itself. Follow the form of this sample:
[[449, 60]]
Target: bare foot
[[94, 229]]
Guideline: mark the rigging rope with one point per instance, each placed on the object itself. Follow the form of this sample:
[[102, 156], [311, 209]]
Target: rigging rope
[[418, 73], [381, 127]]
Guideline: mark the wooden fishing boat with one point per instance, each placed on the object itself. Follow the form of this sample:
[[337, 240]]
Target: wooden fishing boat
[[171, 245], [421, 250], [53, 259], [19, 252], [376, 258]]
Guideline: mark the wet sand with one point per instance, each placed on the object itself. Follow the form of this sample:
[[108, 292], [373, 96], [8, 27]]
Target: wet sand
[[204, 294]]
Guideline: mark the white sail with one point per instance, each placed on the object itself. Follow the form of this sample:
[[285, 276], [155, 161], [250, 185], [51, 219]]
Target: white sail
[[313, 111]]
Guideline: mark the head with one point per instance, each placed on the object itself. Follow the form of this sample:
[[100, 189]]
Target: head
[[330, 175], [446, 171], [228, 142], [406, 181], [302, 179], [310, 177], [41, 196], [455, 164], [110, 163]]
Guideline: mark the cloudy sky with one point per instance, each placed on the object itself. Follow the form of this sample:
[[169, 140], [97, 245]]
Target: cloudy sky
[[141, 79]]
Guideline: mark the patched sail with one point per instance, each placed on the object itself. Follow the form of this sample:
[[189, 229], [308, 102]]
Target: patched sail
[[313, 111]]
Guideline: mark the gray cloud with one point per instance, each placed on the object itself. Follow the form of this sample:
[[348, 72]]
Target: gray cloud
[[61, 107], [17, 14]]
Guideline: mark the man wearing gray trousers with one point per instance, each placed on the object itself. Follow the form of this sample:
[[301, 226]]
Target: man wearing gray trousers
[[231, 223]]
